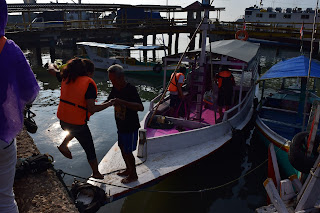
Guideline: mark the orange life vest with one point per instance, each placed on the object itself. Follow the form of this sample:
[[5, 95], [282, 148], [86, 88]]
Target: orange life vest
[[173, 87], [2, 42], [72, 108], [221, 75]]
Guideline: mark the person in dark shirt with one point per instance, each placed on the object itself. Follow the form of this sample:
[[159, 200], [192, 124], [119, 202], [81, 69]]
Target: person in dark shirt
[[126, 105]]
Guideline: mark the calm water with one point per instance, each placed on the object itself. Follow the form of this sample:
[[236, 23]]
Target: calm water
[[234, 160]]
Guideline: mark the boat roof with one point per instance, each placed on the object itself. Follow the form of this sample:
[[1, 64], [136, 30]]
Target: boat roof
[[242, 50], [118, 47], [294, 67]]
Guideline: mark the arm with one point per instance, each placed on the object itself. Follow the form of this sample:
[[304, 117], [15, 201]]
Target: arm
[[180, 91], [131, 105], [92, 107]]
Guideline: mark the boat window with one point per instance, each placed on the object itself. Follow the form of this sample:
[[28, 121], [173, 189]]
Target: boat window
[[248, 13], [287, 16], [259, 15], [194, 15], [272, 15], [304, 16]]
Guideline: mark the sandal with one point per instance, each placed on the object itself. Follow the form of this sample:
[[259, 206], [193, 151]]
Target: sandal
[[65, 153]]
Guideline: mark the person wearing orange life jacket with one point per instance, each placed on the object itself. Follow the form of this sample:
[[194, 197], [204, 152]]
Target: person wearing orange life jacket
[[77, 103], [225, 84], [175, 88]]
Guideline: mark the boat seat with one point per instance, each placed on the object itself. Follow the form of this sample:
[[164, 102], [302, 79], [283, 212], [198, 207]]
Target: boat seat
[[163, 107]]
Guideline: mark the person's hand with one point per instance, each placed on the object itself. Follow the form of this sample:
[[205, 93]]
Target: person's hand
[[53, 69], [117, 101], [111, 102]]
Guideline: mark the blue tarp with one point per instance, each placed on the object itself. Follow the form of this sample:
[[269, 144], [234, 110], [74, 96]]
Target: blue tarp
[[294, 67]]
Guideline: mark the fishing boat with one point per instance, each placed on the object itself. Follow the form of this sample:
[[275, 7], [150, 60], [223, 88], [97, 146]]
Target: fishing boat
[[104, 55], [168, 144], [285, 112]]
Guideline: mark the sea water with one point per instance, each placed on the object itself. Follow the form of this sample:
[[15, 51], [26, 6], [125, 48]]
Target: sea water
[[233, 175]]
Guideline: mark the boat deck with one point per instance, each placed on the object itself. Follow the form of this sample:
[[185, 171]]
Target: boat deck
[[208, 117], [285, 123]]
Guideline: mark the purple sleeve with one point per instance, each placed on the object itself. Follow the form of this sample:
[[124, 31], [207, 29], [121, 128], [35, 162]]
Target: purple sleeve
[[18, 86]]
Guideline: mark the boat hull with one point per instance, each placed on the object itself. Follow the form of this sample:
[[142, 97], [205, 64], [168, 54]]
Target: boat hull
[[267, 136], [169, 153]]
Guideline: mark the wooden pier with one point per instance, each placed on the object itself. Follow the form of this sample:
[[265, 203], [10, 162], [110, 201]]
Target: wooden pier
[[122, 31]]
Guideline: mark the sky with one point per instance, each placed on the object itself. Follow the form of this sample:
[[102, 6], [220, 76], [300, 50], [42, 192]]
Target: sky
[[234, 8]]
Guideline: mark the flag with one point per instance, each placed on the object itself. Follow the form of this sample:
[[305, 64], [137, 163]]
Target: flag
[[244, 24], [301, 31]]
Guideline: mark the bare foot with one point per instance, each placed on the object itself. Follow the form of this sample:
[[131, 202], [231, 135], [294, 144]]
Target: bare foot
[[98, 176], [65, 151], [129, 179], [124, 173]]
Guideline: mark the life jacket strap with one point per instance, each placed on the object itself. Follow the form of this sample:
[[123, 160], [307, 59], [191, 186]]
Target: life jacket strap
[[73, 104]]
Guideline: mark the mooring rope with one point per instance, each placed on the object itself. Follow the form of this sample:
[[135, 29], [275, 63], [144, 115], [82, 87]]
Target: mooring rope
[[173, 192]]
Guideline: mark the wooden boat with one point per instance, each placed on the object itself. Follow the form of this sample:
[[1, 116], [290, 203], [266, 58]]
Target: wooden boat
[[104, 55], [281, 113], [184, 141]]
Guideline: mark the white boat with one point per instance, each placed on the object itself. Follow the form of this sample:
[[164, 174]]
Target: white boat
[[104, 55], [286, 18], [197, 135]]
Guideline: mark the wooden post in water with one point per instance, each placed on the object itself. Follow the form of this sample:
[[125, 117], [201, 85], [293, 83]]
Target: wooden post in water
[[154, 36], [176, 43], [170, 44], [38, 54], [52, 50], [145, 54]]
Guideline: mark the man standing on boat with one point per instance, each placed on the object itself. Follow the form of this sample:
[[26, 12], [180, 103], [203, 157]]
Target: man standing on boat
[[127, 103], [225, 84], [175, 88]]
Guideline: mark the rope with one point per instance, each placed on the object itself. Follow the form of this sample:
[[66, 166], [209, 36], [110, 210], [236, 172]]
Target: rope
[[175, 192]]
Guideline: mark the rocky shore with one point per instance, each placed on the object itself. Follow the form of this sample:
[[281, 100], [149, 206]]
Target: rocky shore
[[40, 192]]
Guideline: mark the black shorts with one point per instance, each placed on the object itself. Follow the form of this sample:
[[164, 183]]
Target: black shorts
[[83, 135], [174, 101], [224, 97]]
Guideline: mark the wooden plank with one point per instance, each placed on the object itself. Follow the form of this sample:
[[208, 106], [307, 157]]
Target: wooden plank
[[273, 168], [310, 195], [274, 196], [286, 190], [296, 182]]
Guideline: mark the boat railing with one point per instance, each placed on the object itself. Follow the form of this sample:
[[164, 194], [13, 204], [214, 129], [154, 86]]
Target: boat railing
[[239, 106]]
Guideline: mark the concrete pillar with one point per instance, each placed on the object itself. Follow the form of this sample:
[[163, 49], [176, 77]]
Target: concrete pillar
[[154, 36], [176, 44], [145, 54], [193, 42]]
